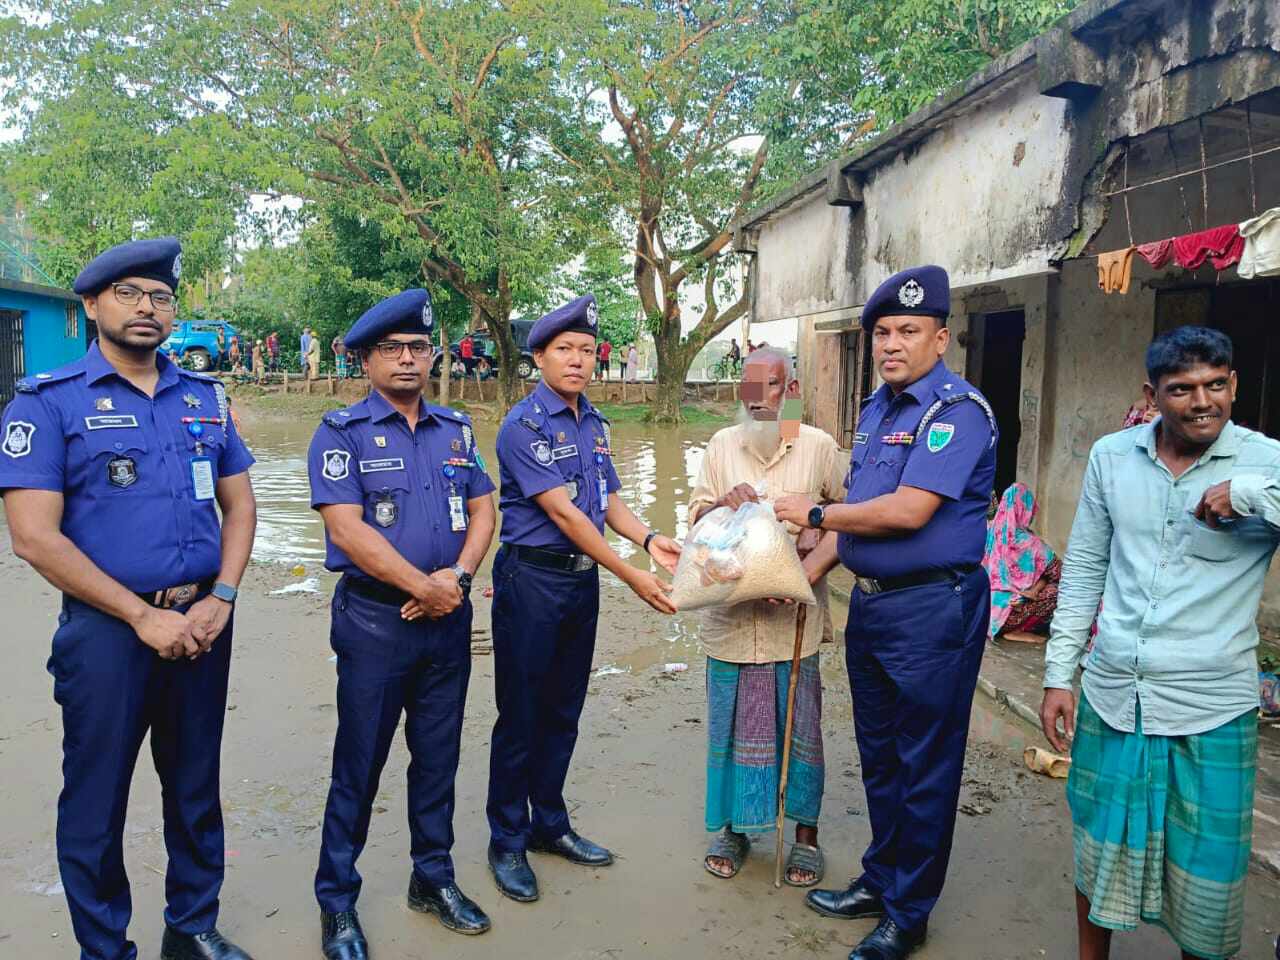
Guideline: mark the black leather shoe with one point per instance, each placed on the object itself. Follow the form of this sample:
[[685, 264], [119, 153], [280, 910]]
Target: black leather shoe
[[575, 849], [341, 937], [199, 946], [455, 909], [854, 903], [514, 875], [888, 941]]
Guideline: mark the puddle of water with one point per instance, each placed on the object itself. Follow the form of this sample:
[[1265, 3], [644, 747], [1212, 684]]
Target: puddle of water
[[678, 647], [657, 467]]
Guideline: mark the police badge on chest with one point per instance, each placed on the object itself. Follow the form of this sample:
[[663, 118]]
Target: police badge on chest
[[385, 509], [122, 471]]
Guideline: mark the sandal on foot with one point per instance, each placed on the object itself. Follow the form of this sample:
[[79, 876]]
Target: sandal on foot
[[805, 856], [729, 846]]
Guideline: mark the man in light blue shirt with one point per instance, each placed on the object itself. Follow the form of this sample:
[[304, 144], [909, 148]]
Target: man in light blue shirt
[[1177, 523]]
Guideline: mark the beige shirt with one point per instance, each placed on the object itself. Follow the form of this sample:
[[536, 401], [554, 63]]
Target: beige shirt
[[761, 632]]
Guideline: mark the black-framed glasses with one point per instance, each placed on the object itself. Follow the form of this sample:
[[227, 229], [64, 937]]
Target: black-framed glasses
[[131, 296], [394, 349]]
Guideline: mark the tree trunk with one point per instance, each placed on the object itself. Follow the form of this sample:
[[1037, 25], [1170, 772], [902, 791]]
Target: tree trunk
[[510, 386], [446, 367], [673, 367]]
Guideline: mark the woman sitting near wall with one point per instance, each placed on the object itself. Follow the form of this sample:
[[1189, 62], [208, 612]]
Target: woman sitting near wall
[[1023, 569]]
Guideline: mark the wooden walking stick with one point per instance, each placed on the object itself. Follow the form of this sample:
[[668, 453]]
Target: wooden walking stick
[[786, 741]]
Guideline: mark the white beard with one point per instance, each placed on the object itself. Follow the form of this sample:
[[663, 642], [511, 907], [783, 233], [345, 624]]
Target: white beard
[[763, 436]]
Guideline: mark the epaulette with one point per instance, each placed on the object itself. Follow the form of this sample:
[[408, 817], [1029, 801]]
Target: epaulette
[[947, 398], [33, 384], [532, 425], [448, 413], [195, 375], [344, 418]]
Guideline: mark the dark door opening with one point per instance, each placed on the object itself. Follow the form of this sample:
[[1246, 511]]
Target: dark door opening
[[995, 367], [12, 368]]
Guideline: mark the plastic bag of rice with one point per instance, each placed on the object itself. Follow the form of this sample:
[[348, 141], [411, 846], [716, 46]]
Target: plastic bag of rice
[[732, 556]]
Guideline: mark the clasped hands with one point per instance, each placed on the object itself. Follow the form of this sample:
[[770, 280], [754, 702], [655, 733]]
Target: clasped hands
[[172, 634]]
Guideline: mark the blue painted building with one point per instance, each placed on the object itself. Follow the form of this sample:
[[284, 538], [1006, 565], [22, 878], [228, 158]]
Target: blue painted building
[[40, 328]]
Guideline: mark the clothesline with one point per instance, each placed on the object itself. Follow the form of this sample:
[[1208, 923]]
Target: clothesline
[[1253, 244], [1190, 173]]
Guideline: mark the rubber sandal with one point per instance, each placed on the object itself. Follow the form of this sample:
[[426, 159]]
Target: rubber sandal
[[804, 856], [730, 846]]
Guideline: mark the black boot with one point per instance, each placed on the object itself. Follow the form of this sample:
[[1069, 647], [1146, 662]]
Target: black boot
[[575, 849], [341, 937], [455, 909], [514, 875], [210, 945], [888, 941], [853, 903]]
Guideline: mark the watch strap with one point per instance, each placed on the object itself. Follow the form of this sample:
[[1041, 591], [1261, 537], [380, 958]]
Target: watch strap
[[224, 591], [649, 539]]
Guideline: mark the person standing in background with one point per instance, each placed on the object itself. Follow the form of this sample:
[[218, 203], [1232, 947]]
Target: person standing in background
[[633, 362]]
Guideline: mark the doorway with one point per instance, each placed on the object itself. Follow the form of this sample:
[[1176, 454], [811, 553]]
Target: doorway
[[11, 365], [994, 365]]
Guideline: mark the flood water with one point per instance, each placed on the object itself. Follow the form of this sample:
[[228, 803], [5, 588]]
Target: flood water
[[657, 467]]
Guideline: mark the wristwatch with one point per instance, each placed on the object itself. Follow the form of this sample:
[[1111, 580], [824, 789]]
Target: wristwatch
[[224, 591], [816, 515], [464, 578]]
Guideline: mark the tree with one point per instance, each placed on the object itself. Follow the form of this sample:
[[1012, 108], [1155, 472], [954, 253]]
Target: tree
[[679, 107]]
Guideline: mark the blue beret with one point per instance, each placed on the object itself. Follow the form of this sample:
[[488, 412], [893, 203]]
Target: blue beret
[[918, 292], [158, 259], [408, 312], [577, 316]]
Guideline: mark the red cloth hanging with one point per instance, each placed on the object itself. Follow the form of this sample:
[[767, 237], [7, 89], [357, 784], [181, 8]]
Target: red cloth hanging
[[1221, 246], [1157, 254]]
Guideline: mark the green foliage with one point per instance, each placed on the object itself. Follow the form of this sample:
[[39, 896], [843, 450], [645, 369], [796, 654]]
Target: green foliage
[[606, 273]]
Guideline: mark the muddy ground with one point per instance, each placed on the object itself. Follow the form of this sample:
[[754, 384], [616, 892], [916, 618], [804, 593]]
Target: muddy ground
[[636, 785]]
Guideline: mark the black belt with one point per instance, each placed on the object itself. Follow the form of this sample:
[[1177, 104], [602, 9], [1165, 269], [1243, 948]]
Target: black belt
[[177, 596], [377, 591], [551, 559], [885, 584]]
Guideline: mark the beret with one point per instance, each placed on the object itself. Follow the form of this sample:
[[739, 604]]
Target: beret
[[407, 312], [577, 316], [917, 292], [157, 259]]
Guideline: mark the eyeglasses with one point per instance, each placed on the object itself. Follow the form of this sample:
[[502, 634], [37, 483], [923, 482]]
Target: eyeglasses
[[131, 296], [394, 349]]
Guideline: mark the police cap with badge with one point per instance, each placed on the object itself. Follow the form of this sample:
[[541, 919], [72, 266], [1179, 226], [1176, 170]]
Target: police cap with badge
[[915, 292], [157, 259], [577, 316], [407, 312]]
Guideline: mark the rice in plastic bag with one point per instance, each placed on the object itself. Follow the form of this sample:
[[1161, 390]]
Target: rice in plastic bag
[[733, 556]]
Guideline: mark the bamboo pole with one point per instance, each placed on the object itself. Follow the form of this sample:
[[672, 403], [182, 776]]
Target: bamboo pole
[[786, 742]]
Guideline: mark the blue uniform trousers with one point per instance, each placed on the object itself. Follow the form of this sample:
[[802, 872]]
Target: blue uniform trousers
[[388, 666], [112, 689], [544, 636], [913, 657]]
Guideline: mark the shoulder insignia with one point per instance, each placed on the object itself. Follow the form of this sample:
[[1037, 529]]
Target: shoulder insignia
[[194, 375], [531, 425], [343, 418], [923, 429], [33, 384]]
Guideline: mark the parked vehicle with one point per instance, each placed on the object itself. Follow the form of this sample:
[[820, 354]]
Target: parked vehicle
[[196, 343], [485, 355]]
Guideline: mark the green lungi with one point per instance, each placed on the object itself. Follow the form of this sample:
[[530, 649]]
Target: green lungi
[[1162, 827]]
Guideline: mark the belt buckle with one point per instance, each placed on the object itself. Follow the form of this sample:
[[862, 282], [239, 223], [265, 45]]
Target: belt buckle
[[582, 563], [177, 596], [868, 585]]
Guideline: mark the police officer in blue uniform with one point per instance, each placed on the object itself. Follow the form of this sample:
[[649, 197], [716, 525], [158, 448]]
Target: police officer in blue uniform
[[408, 517], [113, 468], [912, 529], [559, 489]]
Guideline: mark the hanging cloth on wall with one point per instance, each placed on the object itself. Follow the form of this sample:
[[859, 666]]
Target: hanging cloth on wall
[[1114, 269], [1221, 246], [1261, 257], [1158, 254]]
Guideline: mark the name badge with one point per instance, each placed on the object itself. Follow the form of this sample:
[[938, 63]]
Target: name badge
[[559, 453], [860, 438], [202, 478], [111, 422], [457, 515], [604, 494], [377, 466]]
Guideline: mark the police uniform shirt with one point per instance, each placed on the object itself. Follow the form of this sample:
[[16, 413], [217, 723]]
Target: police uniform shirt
[[137, 480], [541, 445], [952, 453], [366, 455]]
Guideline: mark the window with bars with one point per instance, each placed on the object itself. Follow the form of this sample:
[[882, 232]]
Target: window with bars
[[73, 320]]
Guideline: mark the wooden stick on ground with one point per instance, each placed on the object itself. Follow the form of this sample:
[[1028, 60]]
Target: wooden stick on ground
[[786, 742]]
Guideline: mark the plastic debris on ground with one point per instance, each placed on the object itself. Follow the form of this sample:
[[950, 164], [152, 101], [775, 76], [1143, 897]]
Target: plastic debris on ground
[[733, 556], [309, 585], [1050, 764]]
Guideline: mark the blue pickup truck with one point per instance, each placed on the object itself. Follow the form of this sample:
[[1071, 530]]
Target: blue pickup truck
[[196, 343]]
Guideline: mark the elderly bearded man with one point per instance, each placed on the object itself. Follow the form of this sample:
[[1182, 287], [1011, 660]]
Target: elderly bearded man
[[749, 645]]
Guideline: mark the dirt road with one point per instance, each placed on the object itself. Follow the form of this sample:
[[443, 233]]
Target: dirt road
[[636, 785]]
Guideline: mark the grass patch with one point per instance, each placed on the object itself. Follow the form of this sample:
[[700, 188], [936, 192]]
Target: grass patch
[[643, 413]]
